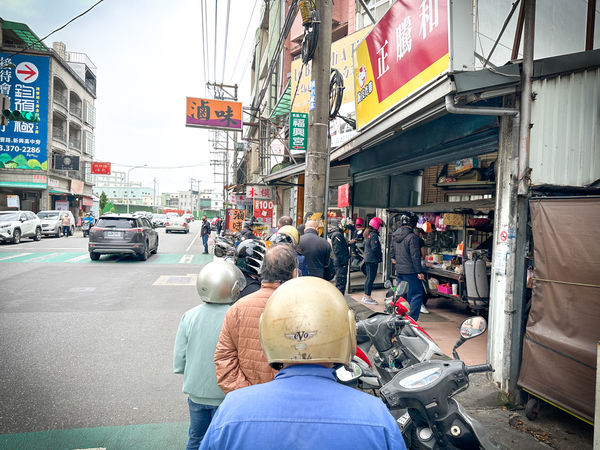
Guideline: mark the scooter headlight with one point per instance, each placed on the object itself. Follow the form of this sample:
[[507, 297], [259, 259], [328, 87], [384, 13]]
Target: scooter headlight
[[421, 379]]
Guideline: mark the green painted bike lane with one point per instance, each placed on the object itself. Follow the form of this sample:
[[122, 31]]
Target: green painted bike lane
[[159, 436], [83, 258]]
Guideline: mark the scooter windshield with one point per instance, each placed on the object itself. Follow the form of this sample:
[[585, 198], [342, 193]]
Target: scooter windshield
[[421, 379]]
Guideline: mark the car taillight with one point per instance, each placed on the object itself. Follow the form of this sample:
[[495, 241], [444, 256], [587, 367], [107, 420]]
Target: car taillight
[[167, 224], [135, 230], [97, 229], [185, 224]]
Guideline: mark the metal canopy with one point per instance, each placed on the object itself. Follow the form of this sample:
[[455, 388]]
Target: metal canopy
[[467, 207], [24, 33], [283, 104]]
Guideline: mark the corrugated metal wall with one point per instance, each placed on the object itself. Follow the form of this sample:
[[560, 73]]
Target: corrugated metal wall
[[565, 138]]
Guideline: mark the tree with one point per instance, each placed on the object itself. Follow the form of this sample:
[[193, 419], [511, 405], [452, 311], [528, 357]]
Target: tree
[[103, 200]]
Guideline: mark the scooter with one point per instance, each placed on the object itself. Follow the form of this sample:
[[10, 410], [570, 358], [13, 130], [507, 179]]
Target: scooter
[[225, 247], [435, 420], [85, 227], [399, 341]]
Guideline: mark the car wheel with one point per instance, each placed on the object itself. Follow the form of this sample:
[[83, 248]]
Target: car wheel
[[16, 236], [38, 235], [166, 231], [57, 234], [94, 256], [155, 248], [145, 254]]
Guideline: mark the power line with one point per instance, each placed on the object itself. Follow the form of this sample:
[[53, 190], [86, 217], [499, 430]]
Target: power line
[[203, 39], [216, 15], [163, 167], [28, 46], [244, 40], [226, 36]]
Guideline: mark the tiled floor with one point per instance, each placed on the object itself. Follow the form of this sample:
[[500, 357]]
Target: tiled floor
[[442, 325]]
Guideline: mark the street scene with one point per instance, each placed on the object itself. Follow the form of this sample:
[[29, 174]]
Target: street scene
[[286, 224]]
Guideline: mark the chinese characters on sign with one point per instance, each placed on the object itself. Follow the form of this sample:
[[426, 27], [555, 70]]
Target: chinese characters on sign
[[208, 113], [258, 191], [343, 195], [234, 220], [101, 168], [407, 49], [24, 80], [263, 211], [298, 131]]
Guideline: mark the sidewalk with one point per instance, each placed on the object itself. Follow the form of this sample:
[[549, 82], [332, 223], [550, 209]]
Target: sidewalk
[[511, 429]]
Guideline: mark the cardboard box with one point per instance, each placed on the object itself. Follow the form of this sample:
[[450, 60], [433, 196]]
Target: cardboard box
[[462, 165]]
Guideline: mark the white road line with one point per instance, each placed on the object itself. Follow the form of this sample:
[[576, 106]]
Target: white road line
[[192, 243], [41, 258], [14, 256], [78, 258], [186, 259]]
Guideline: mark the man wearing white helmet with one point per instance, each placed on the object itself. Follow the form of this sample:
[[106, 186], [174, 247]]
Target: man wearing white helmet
[[218, 285], [306, 330]]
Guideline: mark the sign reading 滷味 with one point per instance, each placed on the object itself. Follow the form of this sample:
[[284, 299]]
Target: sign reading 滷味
[[298, 131], [407, 49], [208, 113]]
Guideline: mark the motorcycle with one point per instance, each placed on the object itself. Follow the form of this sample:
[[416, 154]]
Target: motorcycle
[[399, 342], [85, 227], [434, 419], [225, 246], [356, 254]]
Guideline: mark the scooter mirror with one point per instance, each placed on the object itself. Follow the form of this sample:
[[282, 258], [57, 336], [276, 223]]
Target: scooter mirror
[[472, 327], [387, 284], [402, 289], [346, 376]]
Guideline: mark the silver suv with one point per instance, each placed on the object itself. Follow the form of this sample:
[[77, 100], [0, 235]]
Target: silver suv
[[15, 225], [52, 222]]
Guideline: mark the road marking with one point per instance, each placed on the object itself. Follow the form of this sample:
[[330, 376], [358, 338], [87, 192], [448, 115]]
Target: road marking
[[14, 256], [186, 259], [176, 280], [192, 243], [41, 258], [78, 258]]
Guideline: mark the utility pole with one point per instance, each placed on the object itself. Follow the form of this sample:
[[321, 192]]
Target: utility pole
[[317, 154]]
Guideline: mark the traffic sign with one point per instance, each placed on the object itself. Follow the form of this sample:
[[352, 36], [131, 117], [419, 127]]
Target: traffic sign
[[27, 72]]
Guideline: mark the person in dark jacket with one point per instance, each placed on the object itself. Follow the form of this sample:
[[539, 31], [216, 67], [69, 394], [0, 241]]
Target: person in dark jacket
[[219, 226], [316, 251], [205, 232], [372, 257], [247, 232], [407, 259], [341, 255]]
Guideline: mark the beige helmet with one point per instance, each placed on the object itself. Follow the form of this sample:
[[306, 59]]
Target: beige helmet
[[291, 232], [307, 321], [220, 282]]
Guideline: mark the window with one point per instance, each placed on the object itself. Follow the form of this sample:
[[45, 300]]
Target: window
[[377, 8]]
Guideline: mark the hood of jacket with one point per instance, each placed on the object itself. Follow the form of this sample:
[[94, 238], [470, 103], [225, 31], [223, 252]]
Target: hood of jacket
[[401, 233]]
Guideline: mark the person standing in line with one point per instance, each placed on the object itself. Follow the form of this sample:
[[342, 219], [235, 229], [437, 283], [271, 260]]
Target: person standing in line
[[407, 259], [421, 234], [306, 332], [66, 225], [284, 221], [219, 226], [372, 257], [239, 359], [316, 251], [205, 233], [218, 285], [341, 254]]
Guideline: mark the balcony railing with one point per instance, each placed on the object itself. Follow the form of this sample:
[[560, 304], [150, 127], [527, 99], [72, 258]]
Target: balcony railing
[[59, 134], [61, 98], [76, 110], [75, 143]]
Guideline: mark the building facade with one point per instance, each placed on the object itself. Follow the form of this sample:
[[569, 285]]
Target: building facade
[[46, 165]]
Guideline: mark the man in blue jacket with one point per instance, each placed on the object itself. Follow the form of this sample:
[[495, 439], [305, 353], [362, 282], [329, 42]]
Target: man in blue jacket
[[407, 259], [219, 286], [306, 330]]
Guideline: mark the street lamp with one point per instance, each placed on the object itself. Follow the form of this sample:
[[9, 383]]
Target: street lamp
[[128, 185]]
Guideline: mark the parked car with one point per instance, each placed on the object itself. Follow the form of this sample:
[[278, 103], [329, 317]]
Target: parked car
[[51, 222], [159, 220], [188, 217], [15, 225], [177, 223], [123, 234]]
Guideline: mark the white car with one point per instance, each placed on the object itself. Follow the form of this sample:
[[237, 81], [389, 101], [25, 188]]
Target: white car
[[15, 225], [176, 223], [52, 222]]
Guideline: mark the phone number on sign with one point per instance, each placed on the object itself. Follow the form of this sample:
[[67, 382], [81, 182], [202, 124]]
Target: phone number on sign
[[16, 148]]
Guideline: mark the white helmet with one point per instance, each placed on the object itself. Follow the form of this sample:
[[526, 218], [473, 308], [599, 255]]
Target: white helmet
[[220, 282]]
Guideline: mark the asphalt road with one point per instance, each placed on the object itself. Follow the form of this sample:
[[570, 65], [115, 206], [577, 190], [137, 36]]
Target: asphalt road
[[89, 344]]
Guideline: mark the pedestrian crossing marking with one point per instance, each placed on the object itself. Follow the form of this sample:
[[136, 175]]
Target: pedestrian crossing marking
[[84, 258]]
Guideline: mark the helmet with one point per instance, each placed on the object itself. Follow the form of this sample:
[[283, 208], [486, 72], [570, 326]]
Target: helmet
[[360, 222], [248, 223], [406, 220], [249, 256], [287, 234], [307, 321], [375, 223], [220, 282]]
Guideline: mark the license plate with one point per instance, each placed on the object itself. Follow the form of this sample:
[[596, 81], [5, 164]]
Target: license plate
[[114, 234]]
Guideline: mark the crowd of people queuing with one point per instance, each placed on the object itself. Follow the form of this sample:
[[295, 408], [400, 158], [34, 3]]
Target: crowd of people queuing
[[258, 354]]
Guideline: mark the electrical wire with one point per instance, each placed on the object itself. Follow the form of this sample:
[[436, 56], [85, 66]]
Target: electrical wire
[[226, 36], [215, 50], [336, 93], [163, 167], [203, 25], [244, 40], [28, 46]]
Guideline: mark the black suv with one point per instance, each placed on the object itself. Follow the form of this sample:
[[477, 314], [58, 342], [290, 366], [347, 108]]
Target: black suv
[[123, 234]]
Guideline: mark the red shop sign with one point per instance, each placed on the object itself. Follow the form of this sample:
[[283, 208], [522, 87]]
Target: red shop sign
[[343, 195], [101, 168]]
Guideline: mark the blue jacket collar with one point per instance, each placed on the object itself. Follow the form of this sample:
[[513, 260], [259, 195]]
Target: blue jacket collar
[[315, 370]]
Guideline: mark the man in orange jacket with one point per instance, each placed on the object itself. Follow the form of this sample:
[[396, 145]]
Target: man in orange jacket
[[239, 358]]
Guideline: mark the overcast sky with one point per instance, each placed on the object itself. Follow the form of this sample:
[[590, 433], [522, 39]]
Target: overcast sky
[[149, 58]]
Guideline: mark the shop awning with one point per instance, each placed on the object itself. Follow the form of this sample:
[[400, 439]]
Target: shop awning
[[283, 104], [59, 192], [284, 173], [483, 206]]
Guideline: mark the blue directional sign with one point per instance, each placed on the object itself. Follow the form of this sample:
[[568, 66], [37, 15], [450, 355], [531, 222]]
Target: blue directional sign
[[25, 80]]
